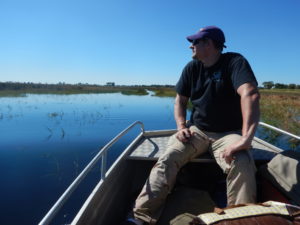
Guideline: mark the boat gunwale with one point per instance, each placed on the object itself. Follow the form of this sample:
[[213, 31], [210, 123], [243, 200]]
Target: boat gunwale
[[99, 185]]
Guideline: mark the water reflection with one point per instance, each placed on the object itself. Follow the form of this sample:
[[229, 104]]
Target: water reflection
[[282, 141]]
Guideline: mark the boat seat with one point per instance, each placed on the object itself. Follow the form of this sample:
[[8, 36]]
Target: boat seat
[[150, 147]]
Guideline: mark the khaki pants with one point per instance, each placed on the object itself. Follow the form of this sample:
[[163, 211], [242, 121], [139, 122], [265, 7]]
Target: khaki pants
[[241, 185]]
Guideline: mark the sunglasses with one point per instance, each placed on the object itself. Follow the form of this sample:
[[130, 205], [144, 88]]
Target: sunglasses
[[195, 42]]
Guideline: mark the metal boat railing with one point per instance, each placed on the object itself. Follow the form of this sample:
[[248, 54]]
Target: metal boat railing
[[101, 155], [279, 130]]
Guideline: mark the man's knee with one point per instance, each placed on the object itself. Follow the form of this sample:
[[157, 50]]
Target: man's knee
[[244, 163], [172, 158]]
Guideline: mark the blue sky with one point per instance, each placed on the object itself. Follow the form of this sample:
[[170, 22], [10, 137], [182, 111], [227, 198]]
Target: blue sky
[[139, 41]]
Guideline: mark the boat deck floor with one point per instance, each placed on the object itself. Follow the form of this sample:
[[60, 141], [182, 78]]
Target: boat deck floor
[[153, 144]]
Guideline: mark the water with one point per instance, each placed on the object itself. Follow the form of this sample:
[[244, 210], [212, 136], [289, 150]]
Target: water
[[46, 141]]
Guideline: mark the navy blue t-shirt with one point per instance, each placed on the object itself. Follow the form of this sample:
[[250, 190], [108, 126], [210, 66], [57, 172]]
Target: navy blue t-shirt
[[213, 91]]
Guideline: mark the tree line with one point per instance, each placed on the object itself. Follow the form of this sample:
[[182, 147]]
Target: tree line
[[271, 84], [39, 86], [61, 86]]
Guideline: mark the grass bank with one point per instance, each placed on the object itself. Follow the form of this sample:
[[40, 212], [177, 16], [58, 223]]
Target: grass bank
[[68, 90], [163, 91], [291, 92], [281, 109], [139, 91]]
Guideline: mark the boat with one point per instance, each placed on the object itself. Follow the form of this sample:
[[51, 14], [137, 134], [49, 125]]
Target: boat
[[113, 196]]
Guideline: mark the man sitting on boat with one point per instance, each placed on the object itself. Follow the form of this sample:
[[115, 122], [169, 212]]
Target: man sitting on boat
[[223, 91]]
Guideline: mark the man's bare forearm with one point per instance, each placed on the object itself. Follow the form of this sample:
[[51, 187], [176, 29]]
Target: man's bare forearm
[[250, 112], [180, 111], [180, 106]]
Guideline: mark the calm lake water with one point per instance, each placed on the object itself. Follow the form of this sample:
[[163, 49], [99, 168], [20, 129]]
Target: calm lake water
[[46, 140]]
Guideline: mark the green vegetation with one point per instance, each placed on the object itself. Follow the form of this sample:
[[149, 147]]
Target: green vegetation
[[291, 92], [271, 84], [135, 91], [281, 109], [9, 93], [16, 89], [163, 91]]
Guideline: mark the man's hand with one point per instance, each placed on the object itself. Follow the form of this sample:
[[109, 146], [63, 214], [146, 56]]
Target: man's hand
[[184, 134], [228, 156], [242, 144]]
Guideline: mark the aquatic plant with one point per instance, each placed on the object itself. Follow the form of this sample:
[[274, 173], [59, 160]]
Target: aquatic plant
[[62, 133], [52, 115], [56, 114], [50, 135], [139, 91]]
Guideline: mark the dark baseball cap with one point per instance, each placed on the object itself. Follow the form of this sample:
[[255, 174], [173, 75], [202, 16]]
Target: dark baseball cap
[[212, 32]]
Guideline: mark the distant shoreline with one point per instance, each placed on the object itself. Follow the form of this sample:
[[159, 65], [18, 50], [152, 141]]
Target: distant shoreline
[[15, 89], [279, 107]]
